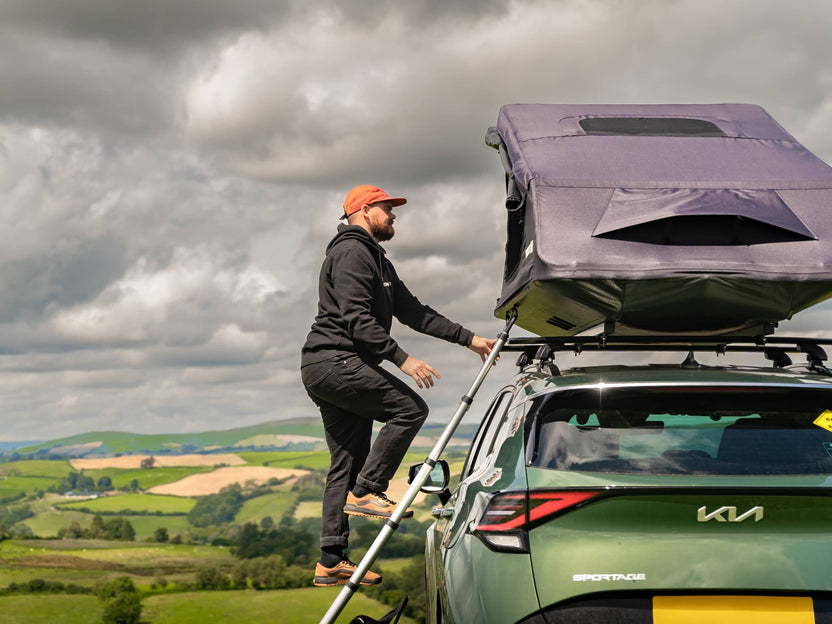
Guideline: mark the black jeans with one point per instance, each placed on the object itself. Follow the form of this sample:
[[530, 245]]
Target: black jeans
[[351, 394]]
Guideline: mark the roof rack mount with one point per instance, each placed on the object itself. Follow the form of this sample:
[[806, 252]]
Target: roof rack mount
[[775, 348]]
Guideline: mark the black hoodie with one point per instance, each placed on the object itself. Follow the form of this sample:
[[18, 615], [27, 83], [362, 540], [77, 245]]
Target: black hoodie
[[359, 293]]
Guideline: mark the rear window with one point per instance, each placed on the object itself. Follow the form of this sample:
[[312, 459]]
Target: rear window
[[677, 430], [650, 126]]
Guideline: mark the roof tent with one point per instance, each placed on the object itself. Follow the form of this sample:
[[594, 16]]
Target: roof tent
[[695, 219]]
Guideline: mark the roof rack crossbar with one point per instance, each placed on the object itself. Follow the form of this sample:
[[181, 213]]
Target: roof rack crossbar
[[718, 344]]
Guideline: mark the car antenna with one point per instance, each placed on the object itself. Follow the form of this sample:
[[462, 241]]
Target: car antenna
[[690, 361]]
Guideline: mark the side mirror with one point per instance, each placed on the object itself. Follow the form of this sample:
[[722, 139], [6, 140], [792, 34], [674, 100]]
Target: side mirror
[[438, 479]]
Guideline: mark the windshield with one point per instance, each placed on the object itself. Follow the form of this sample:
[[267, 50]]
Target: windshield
[[752, 430]]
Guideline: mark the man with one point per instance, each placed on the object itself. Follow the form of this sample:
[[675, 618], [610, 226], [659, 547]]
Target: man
[[359, 294]]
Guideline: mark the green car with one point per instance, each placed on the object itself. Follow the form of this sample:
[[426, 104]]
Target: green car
[[638, 494]]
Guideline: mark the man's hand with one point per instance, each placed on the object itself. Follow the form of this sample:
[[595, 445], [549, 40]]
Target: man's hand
[[482, 346], [420, 371]]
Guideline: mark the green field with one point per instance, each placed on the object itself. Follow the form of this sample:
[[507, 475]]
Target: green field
[[13, 486], [146, 477], [145, 526], [86, 562], [312, 460], [140, 503], [287, 606], [87, 577], [274, 505], [53, 469], [50, 609], [48, 523]]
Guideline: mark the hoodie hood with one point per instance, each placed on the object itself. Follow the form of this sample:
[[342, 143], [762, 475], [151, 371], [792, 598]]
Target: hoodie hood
[[354, 232]]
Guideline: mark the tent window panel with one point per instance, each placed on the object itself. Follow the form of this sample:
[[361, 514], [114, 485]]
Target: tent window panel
[[650, 126]]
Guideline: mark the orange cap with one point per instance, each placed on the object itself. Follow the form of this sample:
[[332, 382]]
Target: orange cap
[[367, 195]]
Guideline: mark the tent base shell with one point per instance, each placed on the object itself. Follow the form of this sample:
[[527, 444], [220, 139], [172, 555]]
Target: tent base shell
[[698, 304]]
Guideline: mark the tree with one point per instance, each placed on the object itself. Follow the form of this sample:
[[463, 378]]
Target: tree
[[160, 535], [134, 485], [122, 604], [127, 532], [216, 508], [97, 529], [148, 462], [123, 609], [211, 577], [73, 530], [105, 483]]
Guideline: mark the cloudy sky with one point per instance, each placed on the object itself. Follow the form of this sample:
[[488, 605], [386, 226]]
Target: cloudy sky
[[170, 172]]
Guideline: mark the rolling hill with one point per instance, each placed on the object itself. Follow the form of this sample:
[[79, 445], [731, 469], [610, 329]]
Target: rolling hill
[[305, 434]]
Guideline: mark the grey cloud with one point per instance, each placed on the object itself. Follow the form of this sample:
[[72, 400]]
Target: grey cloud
[[327, 109], [170, 174], [155, 26], [49, 81]]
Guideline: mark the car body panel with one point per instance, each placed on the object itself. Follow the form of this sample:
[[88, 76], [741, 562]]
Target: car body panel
[[646, 534], [654, 542]]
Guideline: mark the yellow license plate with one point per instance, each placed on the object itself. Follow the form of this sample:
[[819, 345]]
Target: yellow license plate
[[732, 610]]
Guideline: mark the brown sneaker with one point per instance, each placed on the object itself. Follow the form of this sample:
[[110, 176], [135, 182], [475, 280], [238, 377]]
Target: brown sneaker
[[340, 574], [372, 505]]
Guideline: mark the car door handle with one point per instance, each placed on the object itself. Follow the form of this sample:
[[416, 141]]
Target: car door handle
[[442, 512]]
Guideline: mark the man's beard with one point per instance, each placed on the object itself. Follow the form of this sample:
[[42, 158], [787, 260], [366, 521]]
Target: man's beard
[[383, 232]]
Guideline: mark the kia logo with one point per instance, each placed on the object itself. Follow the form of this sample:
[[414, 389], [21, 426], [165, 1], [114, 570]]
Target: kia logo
[[728, 514]]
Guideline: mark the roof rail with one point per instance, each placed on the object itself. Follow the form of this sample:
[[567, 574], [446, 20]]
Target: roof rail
[[774, 348]]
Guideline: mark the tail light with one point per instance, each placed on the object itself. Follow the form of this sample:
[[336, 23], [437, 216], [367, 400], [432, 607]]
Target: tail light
[[509, 515]]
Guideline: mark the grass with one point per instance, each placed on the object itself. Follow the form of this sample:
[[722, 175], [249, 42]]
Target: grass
[[396, 565], [51, 608], [64, 575], [8, 493], [145, 526], [85, 562], [274, 505], [148, 503], [312, 460], [53, 469], [287, 606], [48, 523], [146, 477], [308, 509], [16, 484], [107, 551]]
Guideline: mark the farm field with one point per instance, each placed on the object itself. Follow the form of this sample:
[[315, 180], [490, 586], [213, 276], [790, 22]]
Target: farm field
[[17, 485], [287, 606], [138, 503], [51, 609], [135, 461], [278, 484], [212, 482], [294, 606], [146, 478], [54, 469], [272, 505], [310, 460]]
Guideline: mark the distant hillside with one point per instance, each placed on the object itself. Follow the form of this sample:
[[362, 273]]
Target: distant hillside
[[306, 434], [296, 435], [10, 446]]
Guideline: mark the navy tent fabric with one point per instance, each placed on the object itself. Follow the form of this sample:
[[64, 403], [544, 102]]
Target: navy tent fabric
[[660, 218]]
